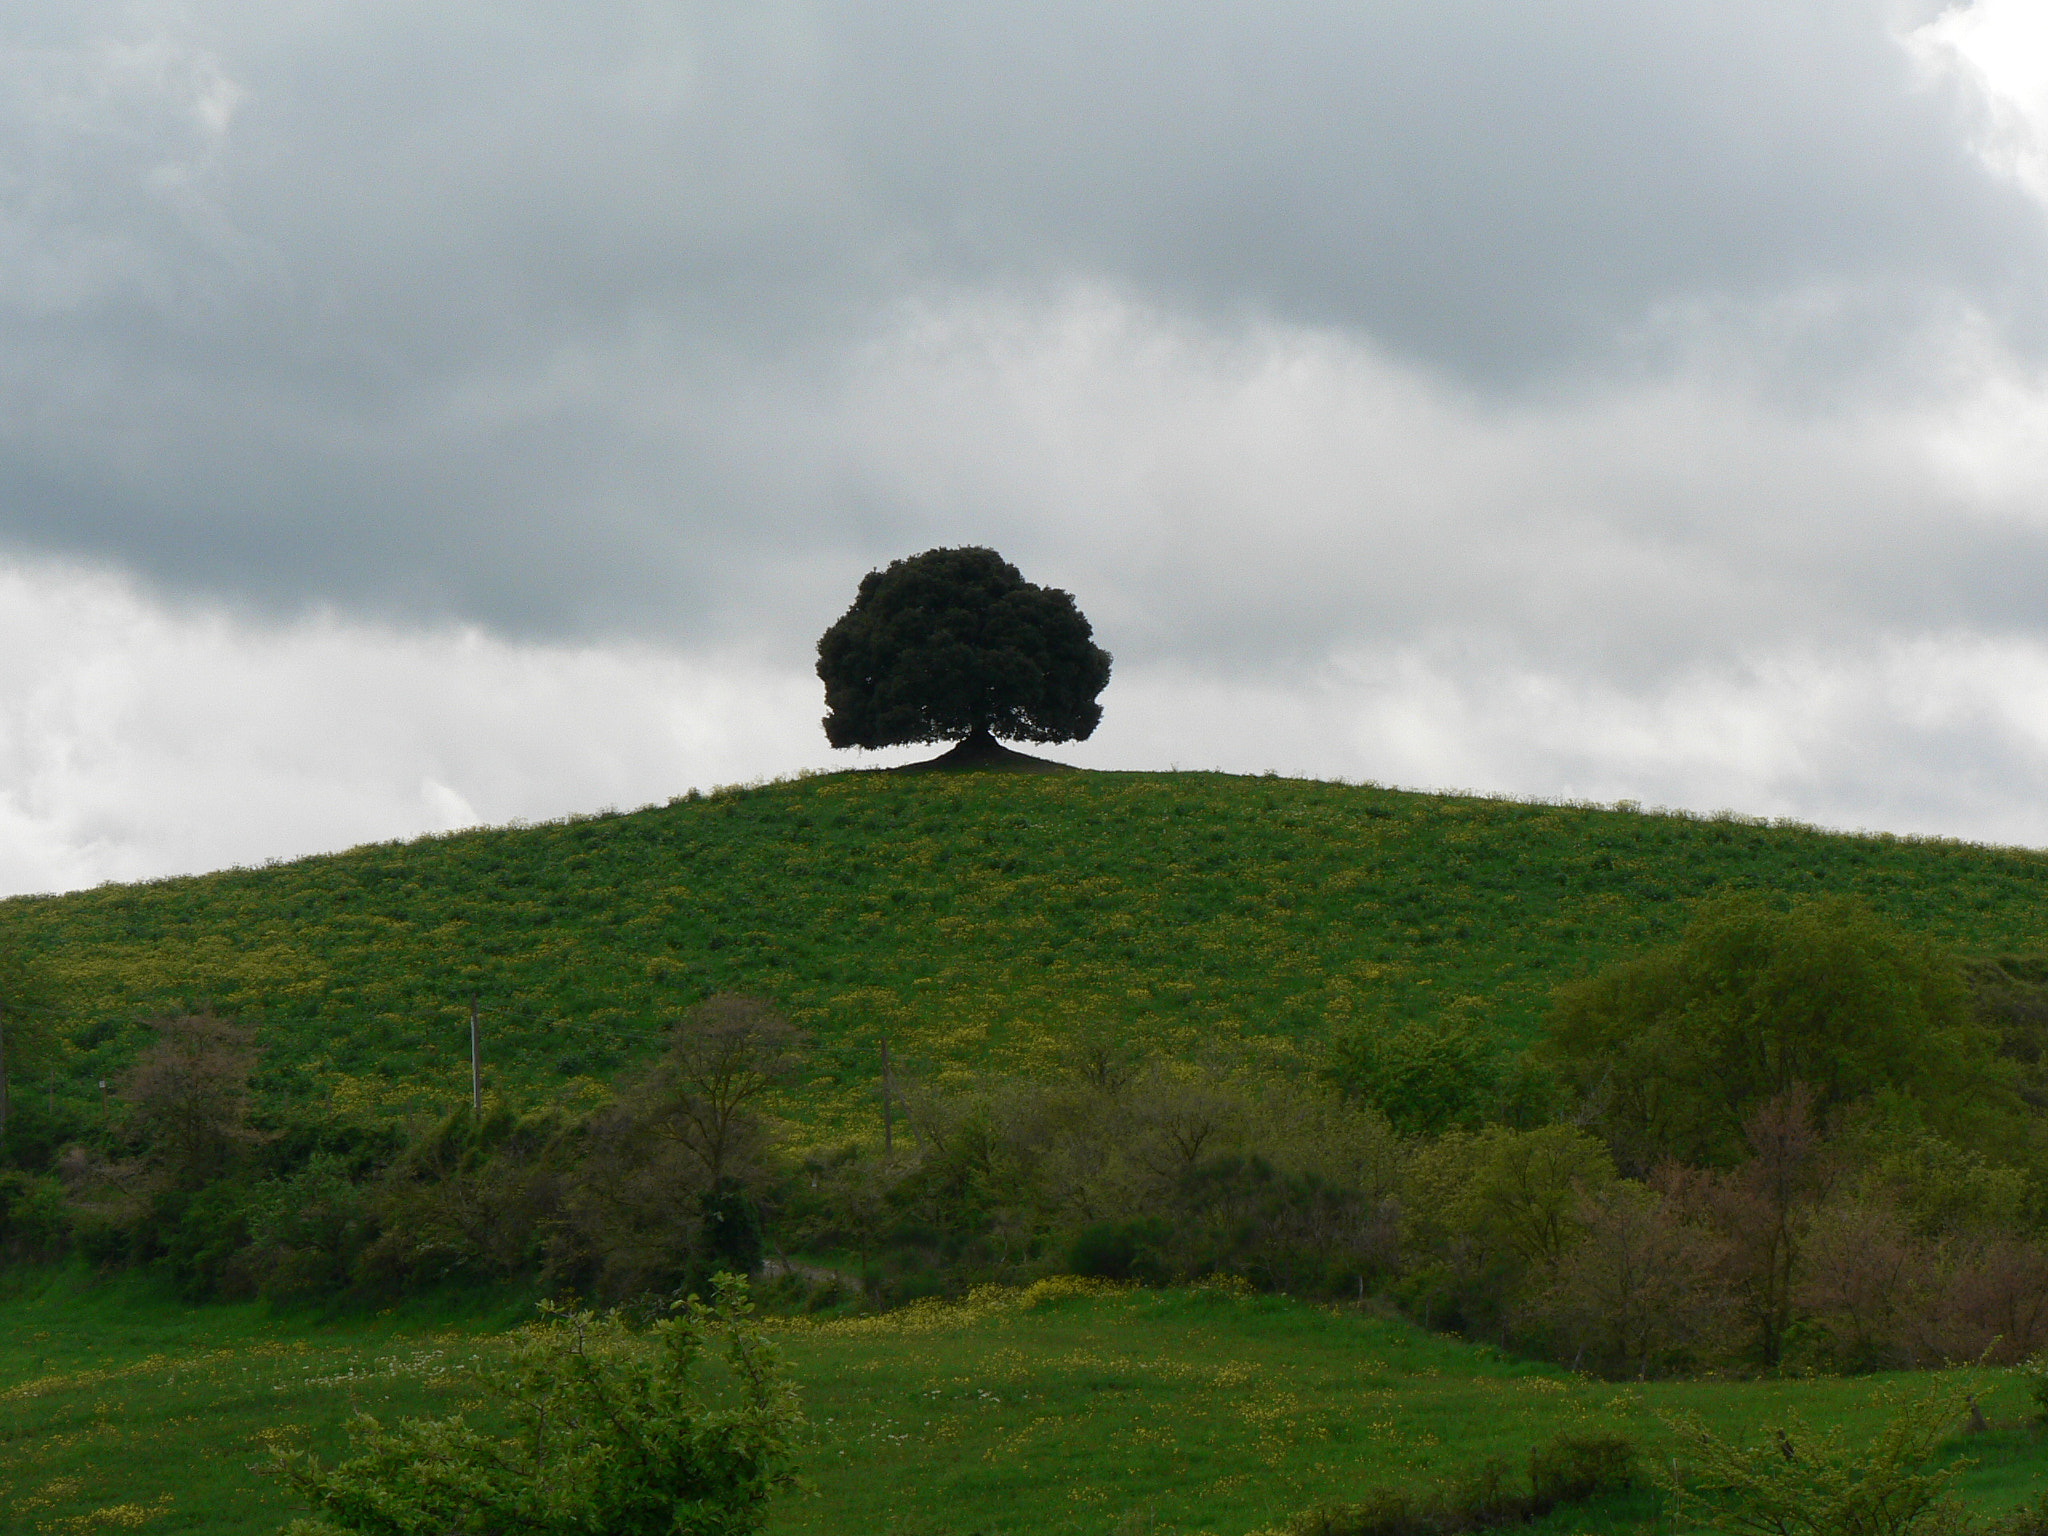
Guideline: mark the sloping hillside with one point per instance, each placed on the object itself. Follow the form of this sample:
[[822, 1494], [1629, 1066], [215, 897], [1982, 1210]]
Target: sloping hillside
[[976, 919]]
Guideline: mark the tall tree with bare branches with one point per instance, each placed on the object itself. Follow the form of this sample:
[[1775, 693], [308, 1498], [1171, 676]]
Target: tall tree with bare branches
[[189, 1094], [724, 1056]]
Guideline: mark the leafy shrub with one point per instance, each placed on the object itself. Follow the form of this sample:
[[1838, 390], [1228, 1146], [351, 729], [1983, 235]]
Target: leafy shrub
[[731, 1230], [32, 1220], [2035, 1372], [306, 1231], [612, 1432], [1676, 1047], [198, 1235], [1794, 1480], [1425, 1076]]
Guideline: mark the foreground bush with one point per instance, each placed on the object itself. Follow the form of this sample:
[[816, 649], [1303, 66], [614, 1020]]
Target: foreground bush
[[1795, 1480], [610, 1430]]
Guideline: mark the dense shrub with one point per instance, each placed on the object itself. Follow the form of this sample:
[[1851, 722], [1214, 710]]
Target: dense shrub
[[1427, 1076], [611, 1431], [33, 1222], [1792, 1479], [1675, 1048]]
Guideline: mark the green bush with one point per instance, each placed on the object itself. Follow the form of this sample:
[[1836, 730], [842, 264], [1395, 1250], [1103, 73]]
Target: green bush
[[32, 1220], [1676, 1046], [2036, 1373], [1794, 1480], [1425, 1076], [199, 1234], [613, 1431]]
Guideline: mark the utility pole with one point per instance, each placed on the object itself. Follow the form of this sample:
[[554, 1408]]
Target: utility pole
[[888, 1106], [476, 1077]]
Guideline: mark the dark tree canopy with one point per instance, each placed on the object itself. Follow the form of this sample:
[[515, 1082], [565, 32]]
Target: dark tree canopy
[[955, 644]]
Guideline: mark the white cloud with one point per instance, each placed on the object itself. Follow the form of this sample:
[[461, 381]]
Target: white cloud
[[1942, 736], [140, 739], [1262, 498], [2002, 47]]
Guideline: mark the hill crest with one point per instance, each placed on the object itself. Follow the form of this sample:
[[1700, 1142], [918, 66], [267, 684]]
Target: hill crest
[[978, 920]]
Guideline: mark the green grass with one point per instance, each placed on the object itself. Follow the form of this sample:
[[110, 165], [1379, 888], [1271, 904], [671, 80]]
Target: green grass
[[978, 920], [1015, 1414], [121, 1409]]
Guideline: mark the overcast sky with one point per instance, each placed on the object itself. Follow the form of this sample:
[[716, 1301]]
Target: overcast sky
[[417, 416]]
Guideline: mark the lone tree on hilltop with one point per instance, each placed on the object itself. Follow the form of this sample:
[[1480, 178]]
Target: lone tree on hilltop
[[955, 645]]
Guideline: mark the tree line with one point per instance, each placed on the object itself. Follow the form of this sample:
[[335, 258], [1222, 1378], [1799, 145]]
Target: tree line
[[1797, 1136]]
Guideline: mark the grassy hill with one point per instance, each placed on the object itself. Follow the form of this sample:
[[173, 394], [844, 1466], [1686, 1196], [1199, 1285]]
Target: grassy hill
[[977, 920]]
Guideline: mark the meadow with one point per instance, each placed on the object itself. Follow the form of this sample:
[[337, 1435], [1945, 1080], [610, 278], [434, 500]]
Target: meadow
[[982, 924], [976, 921], [1039, 1411]]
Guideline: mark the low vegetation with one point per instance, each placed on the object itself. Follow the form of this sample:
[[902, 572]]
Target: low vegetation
[[1749, 1133], [1653, 1189], [1068, 1406]]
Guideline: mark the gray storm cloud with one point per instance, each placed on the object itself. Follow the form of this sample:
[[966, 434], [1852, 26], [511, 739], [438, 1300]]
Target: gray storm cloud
[[1580, 399], [555, 319]]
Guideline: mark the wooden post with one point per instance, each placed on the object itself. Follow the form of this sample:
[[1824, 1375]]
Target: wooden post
[[476, 1079], [888, 1106]]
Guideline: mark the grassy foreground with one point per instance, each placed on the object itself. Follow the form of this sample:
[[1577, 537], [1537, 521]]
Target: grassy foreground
[[977, 920], [1018, 1413]]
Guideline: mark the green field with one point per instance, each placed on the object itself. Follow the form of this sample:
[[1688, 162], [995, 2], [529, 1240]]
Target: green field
[[1013, 1413], [981, 922], [977, 920]]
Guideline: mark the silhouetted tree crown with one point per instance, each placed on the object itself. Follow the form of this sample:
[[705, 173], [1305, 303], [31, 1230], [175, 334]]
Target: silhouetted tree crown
[[955, 644]]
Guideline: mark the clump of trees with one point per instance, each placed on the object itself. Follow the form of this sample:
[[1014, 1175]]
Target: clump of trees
[[1737, 1152]]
